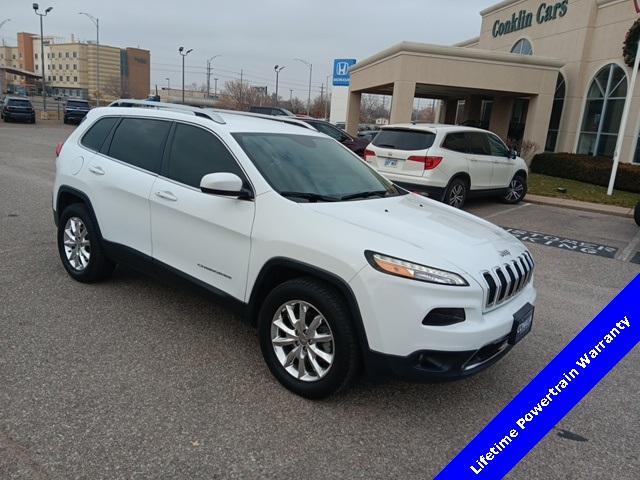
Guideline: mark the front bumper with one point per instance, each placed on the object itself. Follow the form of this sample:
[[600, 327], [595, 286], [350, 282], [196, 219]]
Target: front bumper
[[19, 115], [400, 344], [75, 116]]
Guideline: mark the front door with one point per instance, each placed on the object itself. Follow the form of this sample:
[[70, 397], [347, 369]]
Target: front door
[[479, 160], [503, 164], [206, 236]]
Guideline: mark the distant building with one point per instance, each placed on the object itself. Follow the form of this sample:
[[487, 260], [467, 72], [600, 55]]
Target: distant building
[[70, 68]]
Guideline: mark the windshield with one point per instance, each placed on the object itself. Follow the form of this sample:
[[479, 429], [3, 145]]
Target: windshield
[[77, 103], [404, 139], [310, 169], [14, 102]]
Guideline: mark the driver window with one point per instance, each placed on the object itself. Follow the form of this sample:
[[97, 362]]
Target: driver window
[[498, 149], [195, 153]]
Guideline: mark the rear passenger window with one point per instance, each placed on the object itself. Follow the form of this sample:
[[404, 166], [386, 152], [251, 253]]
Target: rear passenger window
[[195, 153], [455, 142], [140, 142], [398, 139], [96, 135], [478, 143]]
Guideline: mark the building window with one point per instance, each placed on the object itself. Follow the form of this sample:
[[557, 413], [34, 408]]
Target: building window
[[36, 56], [75, 79], [522, 47], [556, 114], [54, 78], [36, 68], [75, 66], [60, 66], [60, 55], [68, 78], [66, 66], [66, 54], [75, 54], [603, 112]]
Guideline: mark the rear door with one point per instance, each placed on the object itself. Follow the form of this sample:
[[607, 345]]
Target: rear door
[[206, 236], [479, 159], [121, 176], [503, 164], [397, 150]]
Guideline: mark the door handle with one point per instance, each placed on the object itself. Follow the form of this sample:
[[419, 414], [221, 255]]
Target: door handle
[[167, 195], [96, 170]]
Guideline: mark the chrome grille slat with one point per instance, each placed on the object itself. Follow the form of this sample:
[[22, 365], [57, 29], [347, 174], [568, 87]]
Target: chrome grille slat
[[505, 281]]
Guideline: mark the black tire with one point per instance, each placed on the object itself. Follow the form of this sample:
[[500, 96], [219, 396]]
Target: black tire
[[455, 195], [65, 121], [636, 214], [6, 119], [98, 266], [516, 191], [331, 305]]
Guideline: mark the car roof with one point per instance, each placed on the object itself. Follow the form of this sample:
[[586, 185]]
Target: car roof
[[16, 97], [432, 127], [228, 120]]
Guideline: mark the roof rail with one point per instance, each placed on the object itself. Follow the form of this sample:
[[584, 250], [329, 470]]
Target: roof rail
[[275, 118], [197, 111]]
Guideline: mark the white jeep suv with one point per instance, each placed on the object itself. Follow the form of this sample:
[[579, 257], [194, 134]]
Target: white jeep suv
[[449, 163], [336, 266]]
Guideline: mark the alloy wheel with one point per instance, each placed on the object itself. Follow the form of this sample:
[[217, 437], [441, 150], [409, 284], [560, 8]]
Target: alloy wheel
[[515, 191], [302, 341], [77, 246], [456, 196]]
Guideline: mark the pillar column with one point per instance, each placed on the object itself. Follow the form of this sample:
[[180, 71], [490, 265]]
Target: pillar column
[[402, 102], [537, 123], [501, 116], [472, 108], [353, 112], [451, 109]]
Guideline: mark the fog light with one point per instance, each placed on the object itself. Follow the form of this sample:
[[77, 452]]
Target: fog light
[[441, 317]]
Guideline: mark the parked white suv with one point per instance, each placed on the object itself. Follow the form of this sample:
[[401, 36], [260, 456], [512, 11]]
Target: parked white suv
[[337, 267], [449, 163]]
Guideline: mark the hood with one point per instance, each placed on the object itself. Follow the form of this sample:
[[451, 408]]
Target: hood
[[439, 231]]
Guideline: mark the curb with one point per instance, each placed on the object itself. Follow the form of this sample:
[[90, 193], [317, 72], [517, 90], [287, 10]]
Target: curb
[[581, 206]]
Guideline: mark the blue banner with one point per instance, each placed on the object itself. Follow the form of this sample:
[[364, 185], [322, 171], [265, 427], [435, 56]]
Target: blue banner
[[553, 392]]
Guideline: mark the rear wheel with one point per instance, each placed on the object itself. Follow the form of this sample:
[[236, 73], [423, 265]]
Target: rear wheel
[[516, 191], [80, 247], [307, 338], [456, 193]]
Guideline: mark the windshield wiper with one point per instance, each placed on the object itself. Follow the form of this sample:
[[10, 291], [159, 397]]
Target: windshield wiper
[[374, 193], [312, 197], [385, 145]]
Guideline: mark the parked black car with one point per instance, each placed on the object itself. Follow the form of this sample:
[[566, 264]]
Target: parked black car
[[356, 145], [276, 111], [17, 108], [75, 110], [637, 214]]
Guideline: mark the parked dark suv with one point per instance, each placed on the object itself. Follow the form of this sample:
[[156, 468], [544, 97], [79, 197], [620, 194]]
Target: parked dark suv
[[75, 110], [17, 108], [276, 111], [356, 145]]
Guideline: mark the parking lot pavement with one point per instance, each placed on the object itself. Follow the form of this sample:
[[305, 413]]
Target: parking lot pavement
[[135, 378]]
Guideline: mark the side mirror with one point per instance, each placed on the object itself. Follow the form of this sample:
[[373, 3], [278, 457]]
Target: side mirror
[[513, 154], [225, 184]]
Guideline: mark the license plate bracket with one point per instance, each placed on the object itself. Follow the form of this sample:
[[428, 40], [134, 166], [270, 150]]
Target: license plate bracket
[[522, 323]]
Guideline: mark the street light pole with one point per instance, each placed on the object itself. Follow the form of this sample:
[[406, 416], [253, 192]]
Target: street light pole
[[96, 22], [44, 87], [277, 69], [168, 84], [623, 122], [183, 54], [209, 61], [215, 88], [310, 66]]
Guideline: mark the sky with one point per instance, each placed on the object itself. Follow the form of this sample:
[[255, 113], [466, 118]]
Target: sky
[[251, 35]]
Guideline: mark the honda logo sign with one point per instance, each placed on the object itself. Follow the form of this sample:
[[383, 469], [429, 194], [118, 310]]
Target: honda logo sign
[[341, 76]]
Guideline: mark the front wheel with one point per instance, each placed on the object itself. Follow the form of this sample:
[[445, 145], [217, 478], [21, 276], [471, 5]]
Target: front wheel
[[307, 338], [636, 214], [516, 191], [456, 193]]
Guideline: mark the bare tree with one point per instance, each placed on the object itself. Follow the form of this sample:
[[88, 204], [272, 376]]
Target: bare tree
[[115, 87], [372, 107], [239, 96]]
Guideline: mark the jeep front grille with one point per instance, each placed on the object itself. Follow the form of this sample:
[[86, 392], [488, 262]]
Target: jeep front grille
[[505, 281]]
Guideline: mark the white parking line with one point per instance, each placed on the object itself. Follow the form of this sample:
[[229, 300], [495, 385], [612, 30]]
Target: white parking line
[[508, 210], [633, 246]]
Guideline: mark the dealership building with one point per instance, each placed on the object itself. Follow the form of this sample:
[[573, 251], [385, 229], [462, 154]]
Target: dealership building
[[550, 73]]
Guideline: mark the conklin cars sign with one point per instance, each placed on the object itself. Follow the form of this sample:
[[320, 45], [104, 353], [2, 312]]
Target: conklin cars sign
[[524, 19]]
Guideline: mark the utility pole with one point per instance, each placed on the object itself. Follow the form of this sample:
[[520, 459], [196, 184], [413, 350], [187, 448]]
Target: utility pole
[[241, 87], [321, 93], [209, 68], [168, 84], [215, 87], [96, 22], [326, 102], [44, 86], [183, 54], [310, 66], [291, 97], [277, 69]]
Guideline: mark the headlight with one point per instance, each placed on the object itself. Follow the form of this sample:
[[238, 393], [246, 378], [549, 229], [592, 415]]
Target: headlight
[[414, 271]]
